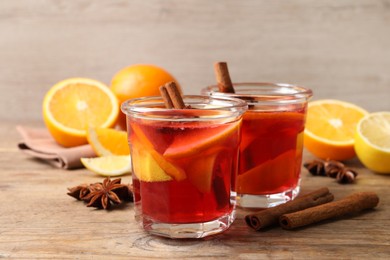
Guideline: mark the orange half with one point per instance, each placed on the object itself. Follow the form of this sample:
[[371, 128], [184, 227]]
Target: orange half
[[73, 105], [330, 128]]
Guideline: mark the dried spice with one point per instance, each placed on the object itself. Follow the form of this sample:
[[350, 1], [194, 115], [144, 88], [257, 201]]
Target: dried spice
[[102, 194], [333, 169]]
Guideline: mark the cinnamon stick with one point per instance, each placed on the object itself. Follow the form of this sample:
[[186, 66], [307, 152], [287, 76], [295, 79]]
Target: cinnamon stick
[[171, 96], [348, 205], [223, 77], [270, 216], [165, 96]]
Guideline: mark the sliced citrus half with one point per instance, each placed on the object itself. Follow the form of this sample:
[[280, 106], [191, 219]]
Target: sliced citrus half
[[114, 165], [330, 128], [73, 105], [191, 144], [372, 141], [108, 141]]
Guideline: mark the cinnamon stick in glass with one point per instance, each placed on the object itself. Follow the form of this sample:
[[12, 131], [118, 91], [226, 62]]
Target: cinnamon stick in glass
[[223, 77], [172, 96], [348, 205], [269, 217]]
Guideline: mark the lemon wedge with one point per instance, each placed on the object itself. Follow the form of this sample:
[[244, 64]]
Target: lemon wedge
[[113, 165]]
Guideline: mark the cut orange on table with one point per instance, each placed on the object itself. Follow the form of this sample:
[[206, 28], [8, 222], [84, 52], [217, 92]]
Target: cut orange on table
[[73, 105], [108, 141], [330, 128], [372, 141]]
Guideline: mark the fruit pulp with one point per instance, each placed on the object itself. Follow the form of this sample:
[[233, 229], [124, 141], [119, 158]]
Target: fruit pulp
[[194, 185], [270, 151]]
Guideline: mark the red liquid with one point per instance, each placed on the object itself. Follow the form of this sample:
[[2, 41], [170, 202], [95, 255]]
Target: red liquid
[[206, 163], [270, 152]]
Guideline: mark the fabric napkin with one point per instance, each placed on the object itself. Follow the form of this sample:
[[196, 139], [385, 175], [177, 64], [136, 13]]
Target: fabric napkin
[[39, 143]]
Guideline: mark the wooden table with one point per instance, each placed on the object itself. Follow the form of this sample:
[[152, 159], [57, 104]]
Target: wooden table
[[38, 220]]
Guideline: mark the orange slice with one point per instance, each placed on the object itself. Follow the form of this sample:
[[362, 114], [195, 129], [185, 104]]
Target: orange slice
[[140, 140], [183, 146], [330, 128], [372, 142], [108, 141], [145, 167], [200, 172], [73, 105], [263, 176]]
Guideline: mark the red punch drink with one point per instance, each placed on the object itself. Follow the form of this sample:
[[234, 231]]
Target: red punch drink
[[272, 142], [184, 164]]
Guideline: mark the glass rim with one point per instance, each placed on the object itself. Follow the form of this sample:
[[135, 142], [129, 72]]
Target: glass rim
[[265, 91], [145, 107]]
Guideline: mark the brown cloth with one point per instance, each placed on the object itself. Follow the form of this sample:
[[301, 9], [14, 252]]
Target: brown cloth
[[40, 144]]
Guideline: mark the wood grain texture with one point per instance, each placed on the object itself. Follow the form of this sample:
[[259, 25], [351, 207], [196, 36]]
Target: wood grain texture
[[340, 49], [38, 220]]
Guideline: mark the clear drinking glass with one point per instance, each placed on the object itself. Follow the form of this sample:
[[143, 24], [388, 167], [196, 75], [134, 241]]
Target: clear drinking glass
[[184, 164], [272, 142]]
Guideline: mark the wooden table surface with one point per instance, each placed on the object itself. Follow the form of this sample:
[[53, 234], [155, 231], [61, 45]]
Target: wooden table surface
[[39, 220]]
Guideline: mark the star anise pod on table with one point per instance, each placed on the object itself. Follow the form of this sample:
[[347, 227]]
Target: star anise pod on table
[[79, 192], [333, 169], [346, 176], [315, 167], [102, 194]]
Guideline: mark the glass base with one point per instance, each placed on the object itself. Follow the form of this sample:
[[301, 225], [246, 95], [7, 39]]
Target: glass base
[[266, 201], [190, 230]]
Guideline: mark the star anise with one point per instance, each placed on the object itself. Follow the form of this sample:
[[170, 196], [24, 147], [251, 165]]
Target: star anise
[[79, 192], [333, 169], [346, 176], [315, 167], [103, 194]]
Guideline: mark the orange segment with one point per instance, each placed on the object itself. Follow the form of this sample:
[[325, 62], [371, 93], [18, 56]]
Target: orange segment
[[262, 176], [183, 146], [72, 105], [142, 141], [108, 141], [145, 167], [330, 128], [200, 172]]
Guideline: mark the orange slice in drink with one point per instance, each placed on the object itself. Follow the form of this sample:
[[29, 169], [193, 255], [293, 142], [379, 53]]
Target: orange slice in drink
[[266, 175], [145, 167], [73, 105], [330, 128], [108, 141], [143, 142], [183, 146], [200, 171]]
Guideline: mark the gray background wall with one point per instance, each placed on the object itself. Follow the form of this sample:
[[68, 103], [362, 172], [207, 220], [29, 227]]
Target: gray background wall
[[339, 48]]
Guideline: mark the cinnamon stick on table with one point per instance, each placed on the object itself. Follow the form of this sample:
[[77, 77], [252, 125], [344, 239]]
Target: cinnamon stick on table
[[351, 204], [270, 216], [223, 78]]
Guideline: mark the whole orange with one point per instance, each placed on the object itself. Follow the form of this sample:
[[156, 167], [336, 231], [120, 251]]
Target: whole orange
[[136, 81]]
